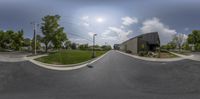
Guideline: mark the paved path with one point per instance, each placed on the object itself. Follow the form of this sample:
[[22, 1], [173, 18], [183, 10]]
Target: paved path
[[116, 76], [13, 56], [196, 56]]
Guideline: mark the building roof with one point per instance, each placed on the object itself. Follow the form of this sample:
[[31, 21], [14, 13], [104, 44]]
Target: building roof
[[147, 37]]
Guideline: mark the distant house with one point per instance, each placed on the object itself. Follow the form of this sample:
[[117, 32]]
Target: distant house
[[145, 42]]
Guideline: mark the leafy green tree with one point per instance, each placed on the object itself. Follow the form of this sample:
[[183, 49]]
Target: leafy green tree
[[84, 47], [67, 44], [186, 46], [11, 40], [52, 31], [1, 38], [27, 42], [17, 40], [74, 46], [194, 38], [59, 38], [106, 47], [38, 40]]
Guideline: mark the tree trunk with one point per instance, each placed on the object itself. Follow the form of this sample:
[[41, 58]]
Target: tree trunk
[[46, 48]]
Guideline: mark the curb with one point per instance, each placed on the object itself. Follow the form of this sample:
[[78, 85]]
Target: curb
[[65, 67], [153, 59], [184, 56]]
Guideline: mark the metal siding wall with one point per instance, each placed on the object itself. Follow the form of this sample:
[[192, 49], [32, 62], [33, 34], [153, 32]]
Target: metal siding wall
[[132, 46]]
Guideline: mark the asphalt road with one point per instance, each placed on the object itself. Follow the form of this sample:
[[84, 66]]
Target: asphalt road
[[115, 76]]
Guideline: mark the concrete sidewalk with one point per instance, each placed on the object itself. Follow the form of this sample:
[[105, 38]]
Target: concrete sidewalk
[[154, 59], [193, 56]]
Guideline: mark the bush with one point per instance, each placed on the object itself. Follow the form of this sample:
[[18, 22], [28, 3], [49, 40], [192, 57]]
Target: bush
[[143, 53], [128, 51], [197, 47]]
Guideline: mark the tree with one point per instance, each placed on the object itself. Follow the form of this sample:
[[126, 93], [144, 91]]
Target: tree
[[178, 39], [18, 40], [106, 47], [84, 47], [27, 43], [38, 40], [11, 40], [67, 44], [186, 46], [194, 38], [73, 46], [52, 31], [59, 38]]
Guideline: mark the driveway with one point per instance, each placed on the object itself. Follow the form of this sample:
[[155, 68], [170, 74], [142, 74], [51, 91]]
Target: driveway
[[115, 76], [196, 56], [13, 56]]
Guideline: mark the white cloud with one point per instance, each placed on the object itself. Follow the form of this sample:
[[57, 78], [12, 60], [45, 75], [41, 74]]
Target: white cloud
[[122, 27], [79, 40], [128, 20], [86, 24], [86, 18], [109, 35], [116, 34], [186, 29], [154, 25], [91, 34]]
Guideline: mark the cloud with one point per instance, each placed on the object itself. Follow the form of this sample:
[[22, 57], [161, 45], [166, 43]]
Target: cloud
[[154, 25], [91, 34], [85, 20], [128, 20], [86, 24], [109, 35], [117, 34], [79, 40], [186, 29]]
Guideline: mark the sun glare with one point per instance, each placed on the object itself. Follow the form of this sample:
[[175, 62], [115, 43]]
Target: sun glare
[[99, 19]]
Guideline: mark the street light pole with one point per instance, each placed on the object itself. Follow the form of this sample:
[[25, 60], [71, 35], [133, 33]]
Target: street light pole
[[93, 52], [34, 36]]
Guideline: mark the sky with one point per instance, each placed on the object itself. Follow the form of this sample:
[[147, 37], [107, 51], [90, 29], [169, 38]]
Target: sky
[[114, 21]]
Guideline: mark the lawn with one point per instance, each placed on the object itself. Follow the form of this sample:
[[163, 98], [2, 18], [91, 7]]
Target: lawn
[[68, 57], [183, 52]]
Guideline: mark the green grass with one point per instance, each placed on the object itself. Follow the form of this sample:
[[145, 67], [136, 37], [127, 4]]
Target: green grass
[[68, 57], [183, 52]]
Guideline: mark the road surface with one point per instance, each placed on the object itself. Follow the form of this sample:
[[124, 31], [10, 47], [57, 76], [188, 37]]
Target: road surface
[[115, 76]]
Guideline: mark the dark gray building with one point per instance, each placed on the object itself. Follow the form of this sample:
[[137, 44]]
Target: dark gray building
[[145, 42]]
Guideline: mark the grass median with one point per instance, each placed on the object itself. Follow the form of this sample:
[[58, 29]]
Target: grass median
[[68, 57]]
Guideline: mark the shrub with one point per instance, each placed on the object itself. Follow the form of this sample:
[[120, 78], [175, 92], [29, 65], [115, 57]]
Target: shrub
[[143, 53], [128, 51]]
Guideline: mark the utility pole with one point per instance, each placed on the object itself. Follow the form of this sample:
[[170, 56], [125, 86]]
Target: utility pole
[[93, 53], [34, 37]]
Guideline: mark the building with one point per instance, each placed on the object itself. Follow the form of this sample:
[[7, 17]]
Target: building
[[145, 42]]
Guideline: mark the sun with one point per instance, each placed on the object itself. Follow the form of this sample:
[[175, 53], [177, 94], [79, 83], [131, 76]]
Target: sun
[[99, 19]]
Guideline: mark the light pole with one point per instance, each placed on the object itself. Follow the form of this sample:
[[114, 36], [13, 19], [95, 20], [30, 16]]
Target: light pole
[[34, 36], [93, 52]]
